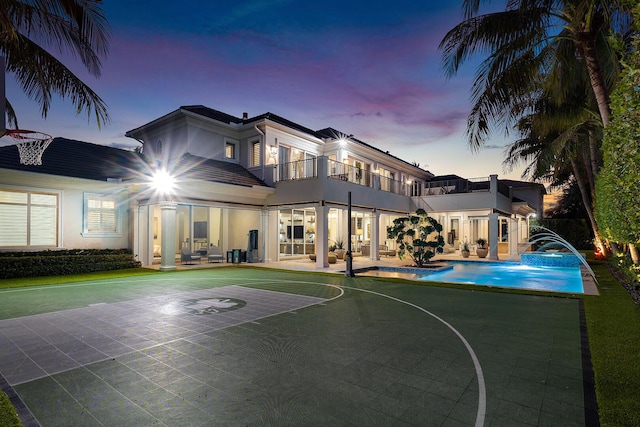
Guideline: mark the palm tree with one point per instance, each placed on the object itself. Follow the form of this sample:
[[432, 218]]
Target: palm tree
[[523, 44], [552, 142], [30, 28]]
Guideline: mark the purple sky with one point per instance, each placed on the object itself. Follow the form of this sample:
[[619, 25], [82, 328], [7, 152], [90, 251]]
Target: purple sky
[[367, 68]]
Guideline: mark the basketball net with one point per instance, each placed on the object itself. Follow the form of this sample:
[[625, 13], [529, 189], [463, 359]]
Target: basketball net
[[31, 145]]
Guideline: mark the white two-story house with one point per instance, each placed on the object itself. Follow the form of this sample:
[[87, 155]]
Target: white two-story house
[[286, 184]]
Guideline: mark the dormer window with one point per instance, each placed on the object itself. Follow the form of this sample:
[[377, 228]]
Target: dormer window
[[230, 150], [255, 153]]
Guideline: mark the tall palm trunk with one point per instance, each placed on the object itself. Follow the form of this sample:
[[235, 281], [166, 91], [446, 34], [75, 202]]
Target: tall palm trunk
[[588, 205], [587, 45], [635, 256]]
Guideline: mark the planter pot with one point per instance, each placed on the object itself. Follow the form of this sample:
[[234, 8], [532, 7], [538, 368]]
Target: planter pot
[[465, 254], [340, 253], [482, 252]]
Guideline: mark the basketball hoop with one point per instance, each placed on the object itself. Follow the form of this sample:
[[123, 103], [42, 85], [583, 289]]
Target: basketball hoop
[[31, 145]]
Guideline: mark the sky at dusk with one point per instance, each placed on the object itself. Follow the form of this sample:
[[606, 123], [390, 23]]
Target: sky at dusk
[[367, 68]]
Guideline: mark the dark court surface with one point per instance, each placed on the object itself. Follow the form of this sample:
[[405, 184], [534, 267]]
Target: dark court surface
[[254, 347]]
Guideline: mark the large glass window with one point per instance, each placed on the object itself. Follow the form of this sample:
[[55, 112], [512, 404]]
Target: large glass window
[[297, 232], [28, 218]]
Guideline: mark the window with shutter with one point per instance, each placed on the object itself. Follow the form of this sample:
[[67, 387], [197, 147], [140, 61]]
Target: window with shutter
[[28, 218], [101, 215]]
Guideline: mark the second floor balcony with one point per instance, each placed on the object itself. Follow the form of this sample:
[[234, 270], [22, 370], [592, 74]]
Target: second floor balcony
[[309, 169]]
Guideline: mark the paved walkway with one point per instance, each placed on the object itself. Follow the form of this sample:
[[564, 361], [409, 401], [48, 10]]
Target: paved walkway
[[239, 346]]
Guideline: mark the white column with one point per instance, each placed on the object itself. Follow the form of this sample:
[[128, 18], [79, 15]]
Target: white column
[[374, 242], [168, 251], [136, 233], [494, 226], [514, 235], [149, 232], [322, 236], [264, 236]]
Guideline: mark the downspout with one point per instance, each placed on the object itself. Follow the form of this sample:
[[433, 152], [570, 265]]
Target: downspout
[[263, 145]]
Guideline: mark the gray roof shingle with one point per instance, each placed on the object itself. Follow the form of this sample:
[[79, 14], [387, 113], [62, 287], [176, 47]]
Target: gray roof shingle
[[77, 159]]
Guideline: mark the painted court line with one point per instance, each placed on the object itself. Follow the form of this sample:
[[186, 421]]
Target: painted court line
[[42, 345], [482, 393], [44, 327]]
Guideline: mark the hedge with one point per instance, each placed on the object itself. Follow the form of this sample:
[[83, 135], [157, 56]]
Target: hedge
[[54, 263]]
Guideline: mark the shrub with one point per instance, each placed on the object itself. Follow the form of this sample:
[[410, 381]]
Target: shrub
[[418, 236], [54, 263]]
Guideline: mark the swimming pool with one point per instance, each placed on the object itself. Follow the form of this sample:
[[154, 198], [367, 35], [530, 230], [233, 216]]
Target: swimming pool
[[501, 274]]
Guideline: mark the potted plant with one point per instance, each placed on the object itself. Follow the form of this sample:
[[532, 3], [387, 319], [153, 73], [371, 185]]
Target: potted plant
[[464, 249], [482, 250], [358, 172], [339, 248]]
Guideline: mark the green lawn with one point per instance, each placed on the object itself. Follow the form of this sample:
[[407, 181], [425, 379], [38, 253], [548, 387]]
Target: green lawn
[[8, 417], [613, 322]]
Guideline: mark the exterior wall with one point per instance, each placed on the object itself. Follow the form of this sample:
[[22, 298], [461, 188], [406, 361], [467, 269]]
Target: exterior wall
[[533, 196], [71, 208]]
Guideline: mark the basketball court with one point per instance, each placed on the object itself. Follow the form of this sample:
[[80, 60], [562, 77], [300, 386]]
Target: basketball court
[[240, 346]]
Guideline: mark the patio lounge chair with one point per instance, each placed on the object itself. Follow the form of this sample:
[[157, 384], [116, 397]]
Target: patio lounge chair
[[215, 254], [186, 256]]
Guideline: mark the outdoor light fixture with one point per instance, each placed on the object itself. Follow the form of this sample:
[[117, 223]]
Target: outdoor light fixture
[[163, 182]]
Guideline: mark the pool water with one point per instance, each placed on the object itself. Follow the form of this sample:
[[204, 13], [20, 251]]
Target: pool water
[[502, 274]]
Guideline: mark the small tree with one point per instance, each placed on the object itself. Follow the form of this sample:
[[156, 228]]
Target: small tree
[[418, 236]]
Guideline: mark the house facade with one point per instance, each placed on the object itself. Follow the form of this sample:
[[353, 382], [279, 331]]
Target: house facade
[[232, 175]]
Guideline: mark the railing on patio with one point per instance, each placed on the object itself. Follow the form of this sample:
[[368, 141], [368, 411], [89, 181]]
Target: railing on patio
[[337, 170], [503, 189], [301, 169], [455, 186], [308, 168], [342, 172], [393, 186]]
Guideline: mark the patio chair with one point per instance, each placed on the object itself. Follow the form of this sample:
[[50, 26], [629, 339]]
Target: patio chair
[[186, 256], [215, 254]]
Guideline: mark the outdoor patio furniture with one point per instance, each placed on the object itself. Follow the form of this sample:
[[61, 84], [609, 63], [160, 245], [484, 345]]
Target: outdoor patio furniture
[[331, 258], [186, 256], [215, 254], [384, 250], [365, 250]]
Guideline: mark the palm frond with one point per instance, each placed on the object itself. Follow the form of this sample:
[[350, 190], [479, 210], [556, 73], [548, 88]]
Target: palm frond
[[41, 75]]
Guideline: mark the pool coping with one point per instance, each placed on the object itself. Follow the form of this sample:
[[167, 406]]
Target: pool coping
[[589, 286]]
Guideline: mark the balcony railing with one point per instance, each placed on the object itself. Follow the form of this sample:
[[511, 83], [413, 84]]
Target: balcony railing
[[305, 169], [301, 169], [337, 170], [503, 189], [455, 186]]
